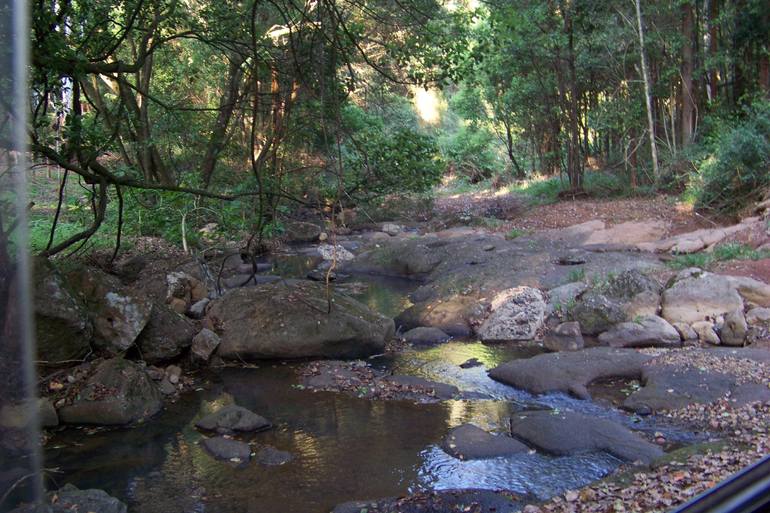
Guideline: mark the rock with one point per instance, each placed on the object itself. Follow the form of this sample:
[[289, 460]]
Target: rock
[[562, 299], [401, 258], [758, 316], [471, 363], [565, 433], [597, 313], [69, 498], [63, 330], [751, 290], [319, 275], [185, 288], [391, 229], [648, 331], [119, 392], [425, 336], [118, 316], [166, 335], [735, 329], [177, 305], [440, 501], [451, 316], [271, 456], [438, 390], [488, 247], [335, 253], [667, 387], [47, 413], [697, 298], [248, 280], [166, 387], [198, 309], [706, 333], [570, 372], [232, 418], [686, 333], [572, 257], [750, 393], [469, 442], [298, 231], [204, 344], [564, 337], [291, 320], [517, 314], [173, 373], [227, 449]]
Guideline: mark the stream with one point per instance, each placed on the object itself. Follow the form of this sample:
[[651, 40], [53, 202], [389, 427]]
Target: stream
[[344, 448]]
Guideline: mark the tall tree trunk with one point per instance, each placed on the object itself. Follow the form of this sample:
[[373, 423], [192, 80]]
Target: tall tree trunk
[[647, 93], [688, 66]]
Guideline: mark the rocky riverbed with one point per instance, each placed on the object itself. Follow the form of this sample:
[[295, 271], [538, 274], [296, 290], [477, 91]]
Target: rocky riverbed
[[402, 371]]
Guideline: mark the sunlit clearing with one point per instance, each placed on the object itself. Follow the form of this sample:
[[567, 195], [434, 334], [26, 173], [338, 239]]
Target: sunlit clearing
[[428, 105]]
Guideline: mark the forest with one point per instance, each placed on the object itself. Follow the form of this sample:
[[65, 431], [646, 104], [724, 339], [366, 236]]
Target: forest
[[384, 256]]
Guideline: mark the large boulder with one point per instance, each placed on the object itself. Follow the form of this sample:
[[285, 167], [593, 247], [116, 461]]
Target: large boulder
[[699, 297], [570, 372], [119, 392], [166, 335], [62, 328], [118, 315], [454, 315], [647, 331], [517, 314], [299, 231], [638, 293], [296, 320], [597, 313], [469, 442], [565, 433]]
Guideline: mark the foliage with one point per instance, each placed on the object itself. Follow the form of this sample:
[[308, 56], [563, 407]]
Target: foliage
[[737, 172], [721, 253], [471, 153]]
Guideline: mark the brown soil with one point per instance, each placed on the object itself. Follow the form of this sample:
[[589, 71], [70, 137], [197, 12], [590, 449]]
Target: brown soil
[[757, 269]]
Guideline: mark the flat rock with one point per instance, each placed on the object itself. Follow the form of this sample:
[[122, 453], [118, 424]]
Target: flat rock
[[425, 336], [119, 392], [271, 456], [647, 331], [438, 390], [565, 433], [292, 320], [668, 387], [517, 314], [469, 442], [564, 337], [441, 501], [223, 448], [570, 372], [232, 418]]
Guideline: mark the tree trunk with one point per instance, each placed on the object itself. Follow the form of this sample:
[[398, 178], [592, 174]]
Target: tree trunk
[[647, 93], [688, 66]]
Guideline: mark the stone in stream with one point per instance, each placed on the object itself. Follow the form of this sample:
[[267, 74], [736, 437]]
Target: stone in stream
[[63, 330], [570, 372], [69, 498], [451, 316], [471, 363], [227, 449], [647, 331], [565, 433], [469, 442], [118, 315], [668, 387], [425, 336], [119, 392], [425, 386], [564, 337], [271, 456], [232, 418], [203, 345], [597, 313], [517, 314], [166, 335], [296, 320], [439, 501]]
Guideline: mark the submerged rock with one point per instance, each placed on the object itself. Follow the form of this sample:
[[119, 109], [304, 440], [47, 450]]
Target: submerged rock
[[232, 418], [271, 456], [570, 372], [119, 392], [517, 314], [425, 336], [223, 448], [469, 442], [565, 433], [69, 498], [296, 320], [647, 331]]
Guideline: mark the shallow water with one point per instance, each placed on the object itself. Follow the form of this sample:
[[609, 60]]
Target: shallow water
[[344, 448]]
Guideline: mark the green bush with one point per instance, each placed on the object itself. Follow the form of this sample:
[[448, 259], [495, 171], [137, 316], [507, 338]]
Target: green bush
[[472, 152], [737, 171]]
